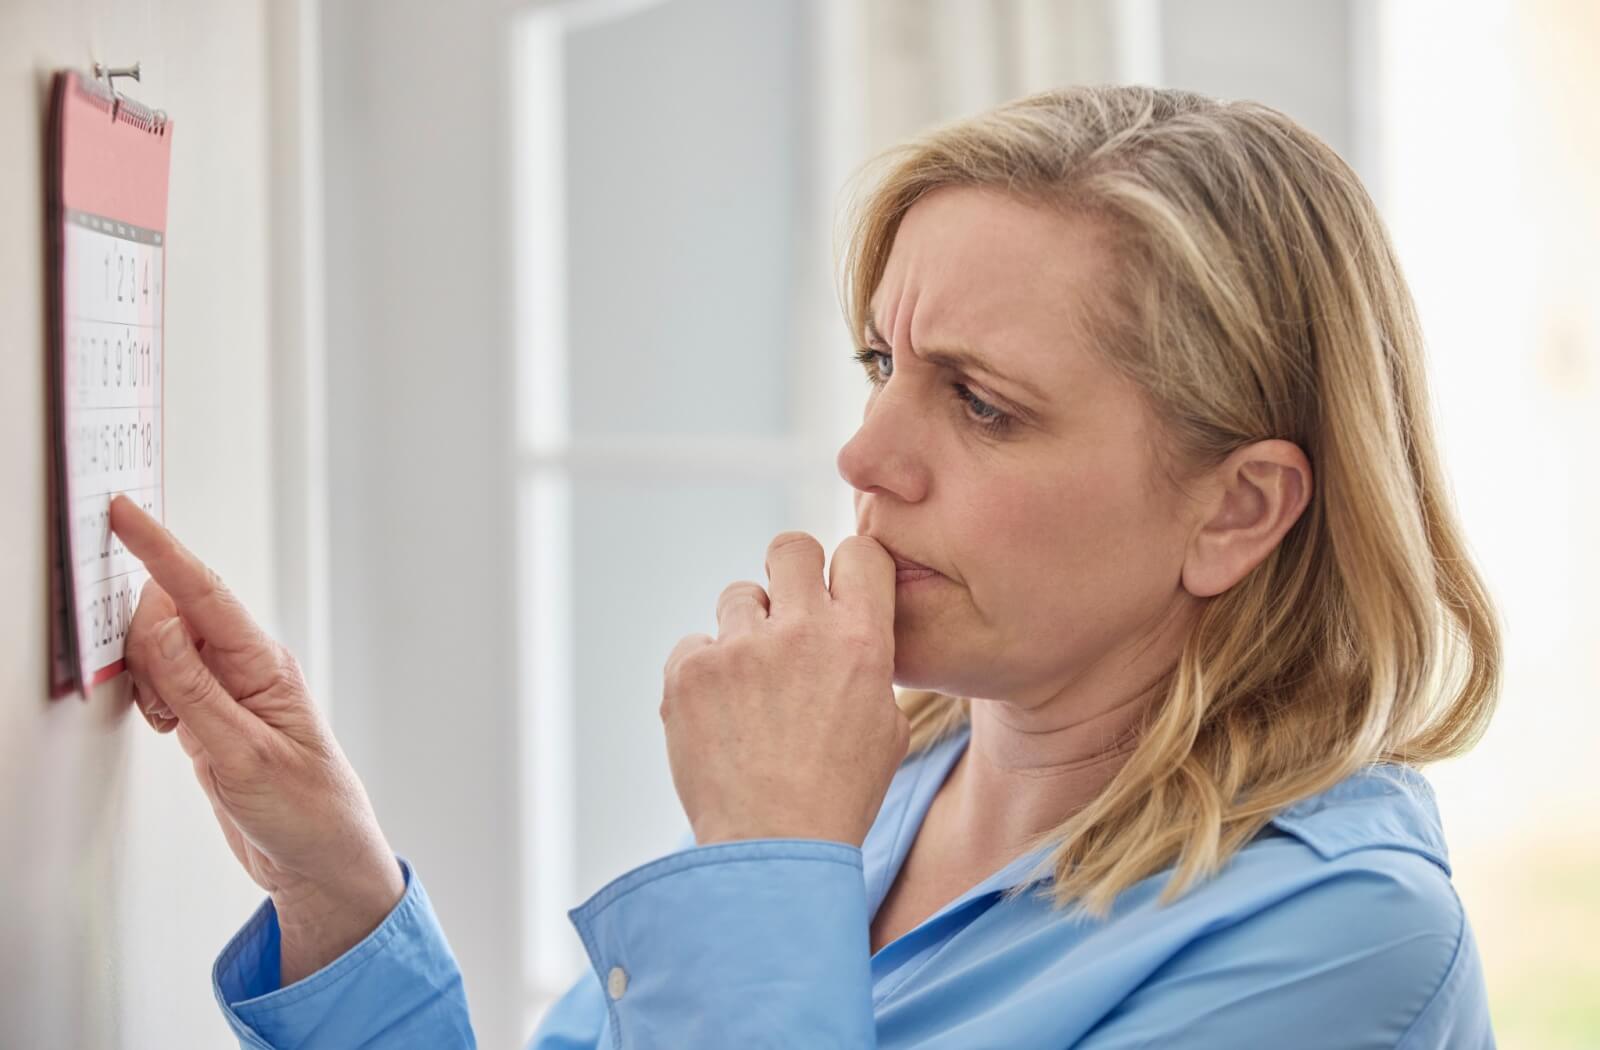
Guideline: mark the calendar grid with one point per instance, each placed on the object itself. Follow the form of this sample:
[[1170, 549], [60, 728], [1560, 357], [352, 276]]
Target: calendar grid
[[112, 385]]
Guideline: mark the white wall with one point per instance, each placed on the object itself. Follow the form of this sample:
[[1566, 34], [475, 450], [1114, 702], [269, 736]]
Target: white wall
[[116, 889]]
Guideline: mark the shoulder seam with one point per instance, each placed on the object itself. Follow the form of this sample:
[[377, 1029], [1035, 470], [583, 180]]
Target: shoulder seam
[[1289, 828]]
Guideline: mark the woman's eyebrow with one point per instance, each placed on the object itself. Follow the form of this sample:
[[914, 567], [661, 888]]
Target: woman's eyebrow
[[956, 357]]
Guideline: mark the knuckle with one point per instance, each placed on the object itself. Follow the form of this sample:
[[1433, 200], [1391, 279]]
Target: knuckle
[[194, 681], [687, 646], [693, 672], [793, 540], [213, 588], [694, 667], [259, 660], [799, 634], [288, 668], [210, 588], [673, 676], [739, 651], [741, 589]]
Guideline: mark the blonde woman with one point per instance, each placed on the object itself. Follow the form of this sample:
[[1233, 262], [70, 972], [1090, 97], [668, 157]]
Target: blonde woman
[[1154, 536]]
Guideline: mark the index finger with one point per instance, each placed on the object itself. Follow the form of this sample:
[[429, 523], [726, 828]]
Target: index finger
[[199, 593], [861, 577]]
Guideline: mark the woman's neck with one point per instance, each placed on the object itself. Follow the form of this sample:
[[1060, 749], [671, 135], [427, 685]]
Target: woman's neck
[[1025, 772]]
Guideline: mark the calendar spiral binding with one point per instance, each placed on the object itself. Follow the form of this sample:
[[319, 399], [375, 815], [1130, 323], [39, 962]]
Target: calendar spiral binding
[[120, 107]]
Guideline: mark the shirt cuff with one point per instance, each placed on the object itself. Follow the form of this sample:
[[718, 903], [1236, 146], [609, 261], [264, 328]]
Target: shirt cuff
[[400, 981], [757, 942]]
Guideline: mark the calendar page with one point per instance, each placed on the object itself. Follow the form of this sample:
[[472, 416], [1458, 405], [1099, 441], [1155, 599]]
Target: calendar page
[[107, 218], [112, 385]]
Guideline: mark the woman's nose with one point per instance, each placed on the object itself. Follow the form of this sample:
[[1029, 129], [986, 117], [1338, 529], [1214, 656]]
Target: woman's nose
[[888, 453]]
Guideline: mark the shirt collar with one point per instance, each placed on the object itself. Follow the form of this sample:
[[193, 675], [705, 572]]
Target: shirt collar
[[1382, 806]]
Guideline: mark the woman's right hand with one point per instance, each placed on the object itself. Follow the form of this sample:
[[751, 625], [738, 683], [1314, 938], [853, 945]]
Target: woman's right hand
[[290, 804]]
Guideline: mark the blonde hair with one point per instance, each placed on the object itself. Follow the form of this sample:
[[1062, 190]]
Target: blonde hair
[[1253, 294]]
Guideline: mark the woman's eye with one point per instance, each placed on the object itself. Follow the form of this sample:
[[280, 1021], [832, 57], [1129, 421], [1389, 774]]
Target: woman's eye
[[986, 417], [879, 364]]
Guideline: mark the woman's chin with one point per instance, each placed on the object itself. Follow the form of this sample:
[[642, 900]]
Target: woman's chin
[[933, 645], [918, 666]]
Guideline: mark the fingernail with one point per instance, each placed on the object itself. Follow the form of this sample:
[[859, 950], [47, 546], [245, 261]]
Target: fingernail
[[171, 638], [163, 712]]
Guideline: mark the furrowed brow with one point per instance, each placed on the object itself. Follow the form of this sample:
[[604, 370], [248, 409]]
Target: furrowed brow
[[957, 357]]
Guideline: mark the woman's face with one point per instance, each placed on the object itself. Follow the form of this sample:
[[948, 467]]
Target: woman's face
[[1026, 476]]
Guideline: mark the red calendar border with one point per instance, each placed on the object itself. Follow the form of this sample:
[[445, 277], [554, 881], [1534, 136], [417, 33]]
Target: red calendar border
[[114, 167]]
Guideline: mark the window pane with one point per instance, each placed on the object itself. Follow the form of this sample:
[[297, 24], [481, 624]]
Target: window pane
[[616, 572], [682, 161], [649, 560]]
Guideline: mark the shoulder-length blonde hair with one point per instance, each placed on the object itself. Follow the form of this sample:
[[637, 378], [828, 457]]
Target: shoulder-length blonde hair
[[1253, 294]]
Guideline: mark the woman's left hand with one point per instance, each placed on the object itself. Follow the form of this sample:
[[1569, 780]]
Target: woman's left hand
[[785, 725]]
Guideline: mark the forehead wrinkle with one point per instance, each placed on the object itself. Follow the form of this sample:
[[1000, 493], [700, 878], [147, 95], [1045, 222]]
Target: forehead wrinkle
[[1037, 292], [957, 357]]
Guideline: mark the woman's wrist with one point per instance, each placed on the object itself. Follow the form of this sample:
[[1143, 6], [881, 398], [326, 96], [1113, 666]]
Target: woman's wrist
[[316, 928]]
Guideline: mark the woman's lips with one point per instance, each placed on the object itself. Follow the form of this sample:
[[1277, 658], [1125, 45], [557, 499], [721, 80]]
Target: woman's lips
[[906, 570]]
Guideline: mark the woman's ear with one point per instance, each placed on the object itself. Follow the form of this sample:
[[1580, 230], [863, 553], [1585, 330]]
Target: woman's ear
[[1252, 498]]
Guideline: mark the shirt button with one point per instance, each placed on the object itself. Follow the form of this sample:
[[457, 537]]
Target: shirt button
[[617, 982]]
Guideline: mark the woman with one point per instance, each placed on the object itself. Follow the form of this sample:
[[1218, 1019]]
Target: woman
[[1153, 530]]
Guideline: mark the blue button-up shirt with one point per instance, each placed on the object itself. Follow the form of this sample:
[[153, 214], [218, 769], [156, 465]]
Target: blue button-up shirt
[[1336, 927]]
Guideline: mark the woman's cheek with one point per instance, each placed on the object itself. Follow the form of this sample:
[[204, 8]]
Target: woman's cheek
[[1016, 536]]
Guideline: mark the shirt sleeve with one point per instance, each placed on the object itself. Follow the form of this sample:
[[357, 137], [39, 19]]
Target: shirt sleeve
[[1377, 956], [399, 987], [576, 1021], [761, 942]]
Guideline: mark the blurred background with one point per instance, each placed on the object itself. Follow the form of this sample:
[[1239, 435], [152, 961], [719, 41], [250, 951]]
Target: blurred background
[[522, 332]]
